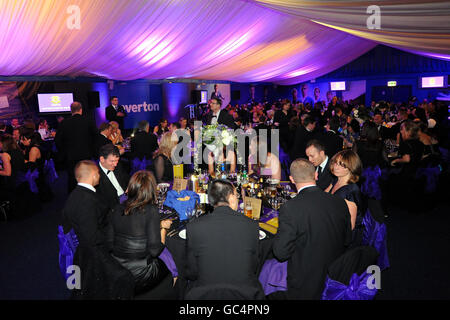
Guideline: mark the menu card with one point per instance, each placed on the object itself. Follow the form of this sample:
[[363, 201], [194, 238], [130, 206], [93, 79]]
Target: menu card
[[256, 207], [179, 184]]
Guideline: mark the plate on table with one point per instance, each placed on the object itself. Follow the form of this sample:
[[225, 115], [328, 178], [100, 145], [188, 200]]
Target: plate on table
[[182, 234], [262, 235]]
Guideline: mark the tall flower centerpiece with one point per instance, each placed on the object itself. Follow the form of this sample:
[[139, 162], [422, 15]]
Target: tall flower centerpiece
[[216, 136]]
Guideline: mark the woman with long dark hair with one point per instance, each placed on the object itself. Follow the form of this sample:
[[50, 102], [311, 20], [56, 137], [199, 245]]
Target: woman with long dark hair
[[369, 146], [35, 160], [136, 235], [12, 161]]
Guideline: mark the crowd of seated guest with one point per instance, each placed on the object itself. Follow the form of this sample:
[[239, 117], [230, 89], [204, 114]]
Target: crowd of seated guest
[[337, 143]]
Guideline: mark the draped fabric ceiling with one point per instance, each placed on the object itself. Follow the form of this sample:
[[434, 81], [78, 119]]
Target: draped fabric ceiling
[[284, 41]]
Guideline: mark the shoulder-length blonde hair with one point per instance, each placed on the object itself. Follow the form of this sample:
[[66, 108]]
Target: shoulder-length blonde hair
[[141, 191], [167, 144], [349, 160]]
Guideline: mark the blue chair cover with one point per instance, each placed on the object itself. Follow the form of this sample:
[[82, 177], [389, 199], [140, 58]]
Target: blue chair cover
[[138, 164], [431, 175], [49, 171], [371, 187], [167, 258], [68, 244], [181, 206], [273, 276], [30, 177], [356, 290], [375, 235]]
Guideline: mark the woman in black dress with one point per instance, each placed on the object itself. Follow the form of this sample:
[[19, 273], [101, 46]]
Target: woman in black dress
[[404, 184], [136, 236], [347, 167], [161, 128], [34, 160], [12, 163], [162, 162], [370, 148], [411, 148]]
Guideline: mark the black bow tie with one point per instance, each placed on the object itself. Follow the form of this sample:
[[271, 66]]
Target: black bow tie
[[214, 116], [108, 171]]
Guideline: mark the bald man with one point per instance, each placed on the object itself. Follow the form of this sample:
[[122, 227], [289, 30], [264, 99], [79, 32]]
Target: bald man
[[314, 229], [83, 212], [102, 277]]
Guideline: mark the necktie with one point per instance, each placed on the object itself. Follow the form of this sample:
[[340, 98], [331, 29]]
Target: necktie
[[319, 171], [108, 171]]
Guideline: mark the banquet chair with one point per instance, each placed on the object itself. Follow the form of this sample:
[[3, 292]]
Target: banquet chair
[[375, 232], [68, 243], [224, 291], [347, 277]]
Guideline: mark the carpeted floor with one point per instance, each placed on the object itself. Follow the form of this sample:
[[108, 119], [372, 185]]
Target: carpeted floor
[[418, 247]]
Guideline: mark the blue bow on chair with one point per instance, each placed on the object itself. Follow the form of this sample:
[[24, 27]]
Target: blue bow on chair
[[375, 235], [50, 172], [68, 244], [356, 290], [138, 164], [30, 177]]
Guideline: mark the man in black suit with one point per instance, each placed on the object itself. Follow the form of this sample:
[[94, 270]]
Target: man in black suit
[[101, 276], [303, 134], [385, 133], [223, 247], [331, 139], [74, 139], [113, 179], [315, 152], [144, 143], [82, 211], [218, 116], [314, 229], [102, 137], [114, 112]]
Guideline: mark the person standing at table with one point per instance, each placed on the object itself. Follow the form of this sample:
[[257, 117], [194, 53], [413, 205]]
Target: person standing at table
[[115, 112], [222, 249], [74, 140], [314, 229], [219, 116]]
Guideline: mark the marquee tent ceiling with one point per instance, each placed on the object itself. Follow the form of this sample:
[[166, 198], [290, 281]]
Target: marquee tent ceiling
[[285, 42]]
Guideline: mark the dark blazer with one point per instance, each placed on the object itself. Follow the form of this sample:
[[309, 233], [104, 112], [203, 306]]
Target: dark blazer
[[325, 178], [223, 248], [302, 136], [101, 276], [106, 190], [314, 229], [83, 212], [75, 137], [111, 115], [224, 118], [100, 141], [332, 141], [143, 145]]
